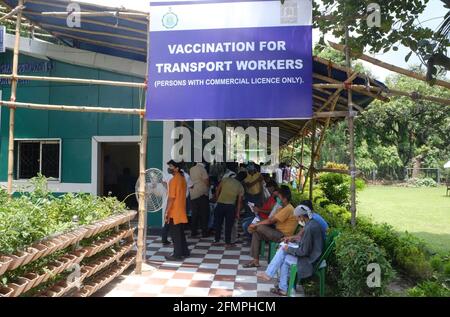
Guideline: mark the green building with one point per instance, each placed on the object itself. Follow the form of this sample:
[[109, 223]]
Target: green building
[[72, 147]]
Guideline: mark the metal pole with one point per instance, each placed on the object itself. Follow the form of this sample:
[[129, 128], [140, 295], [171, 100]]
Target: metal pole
[[351, 131], [12, 110]]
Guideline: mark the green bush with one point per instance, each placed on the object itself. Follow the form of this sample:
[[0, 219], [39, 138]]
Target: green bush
[[436, 263], [36, 215], [446, 269], [406, 251], [429, 289], [336, 187], [354, 252], [422, 182]]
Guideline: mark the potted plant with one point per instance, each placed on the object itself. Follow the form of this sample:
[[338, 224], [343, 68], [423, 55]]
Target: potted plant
[[32, 278], [5, 262], [6, 291], [19, 286], [17, 259]]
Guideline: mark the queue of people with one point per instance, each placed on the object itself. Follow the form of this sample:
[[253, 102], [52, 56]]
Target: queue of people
[[218, 199]]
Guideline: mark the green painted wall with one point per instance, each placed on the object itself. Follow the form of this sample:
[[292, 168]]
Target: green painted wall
[[75, 129]]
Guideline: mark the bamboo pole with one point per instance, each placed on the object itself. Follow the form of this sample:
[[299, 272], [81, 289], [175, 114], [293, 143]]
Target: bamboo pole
[[35, 106], [13, 12], [95, 14], [301, 164], [388, 66], [141, 241], [367, 89], [311, 168], [351, 131], [141, 213], [12, 110], [76, 81]]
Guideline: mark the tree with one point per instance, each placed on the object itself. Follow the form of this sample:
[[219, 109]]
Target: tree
[[397, 27]]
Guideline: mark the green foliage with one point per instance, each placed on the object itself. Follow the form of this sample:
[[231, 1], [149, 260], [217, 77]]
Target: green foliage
[[446, 269], [354, 252], [36, 215], [422, 182], [336, 187], [397, 26], [407, 252], [429, 289]]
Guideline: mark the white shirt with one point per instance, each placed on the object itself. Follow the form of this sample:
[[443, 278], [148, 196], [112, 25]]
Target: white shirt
[[279, 175]]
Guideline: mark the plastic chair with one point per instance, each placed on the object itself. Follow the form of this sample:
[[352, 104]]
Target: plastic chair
[[320, 266]]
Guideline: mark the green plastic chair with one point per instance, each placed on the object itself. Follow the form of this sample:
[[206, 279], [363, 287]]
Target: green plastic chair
[[319, 267]]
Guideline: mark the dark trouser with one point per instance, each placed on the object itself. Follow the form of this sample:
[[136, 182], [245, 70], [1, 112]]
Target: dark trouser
[[200, 215], [265, 233], [180, 247], [165, 233], [224, 212]]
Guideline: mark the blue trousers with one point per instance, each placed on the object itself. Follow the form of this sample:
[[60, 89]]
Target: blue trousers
[[246, 222], [281, 261]]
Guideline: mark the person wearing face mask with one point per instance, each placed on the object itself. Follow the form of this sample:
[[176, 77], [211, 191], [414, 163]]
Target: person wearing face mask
[[175, 215], [285, 224], [304, 254], [323, 224], [264, 211]]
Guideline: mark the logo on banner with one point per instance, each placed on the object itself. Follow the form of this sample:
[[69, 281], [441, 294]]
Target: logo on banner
[[289, 12], [170, 20]]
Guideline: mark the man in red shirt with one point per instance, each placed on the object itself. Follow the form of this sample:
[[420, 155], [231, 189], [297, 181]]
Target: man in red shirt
[[264, 211]]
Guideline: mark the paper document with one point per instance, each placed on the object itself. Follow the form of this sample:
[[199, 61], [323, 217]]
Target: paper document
[[290, 244], [256, 220]]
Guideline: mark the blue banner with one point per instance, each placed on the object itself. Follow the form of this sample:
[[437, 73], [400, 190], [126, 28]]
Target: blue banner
[[229, 60]]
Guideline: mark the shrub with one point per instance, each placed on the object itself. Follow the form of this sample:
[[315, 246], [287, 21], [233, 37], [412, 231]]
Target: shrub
[[436, 263], [429, 289], [411, 256], [354, 252], [446, 269], [407, 252], [422, 182], [336, 187]]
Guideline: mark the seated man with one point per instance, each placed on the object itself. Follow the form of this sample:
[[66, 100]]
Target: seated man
[[323, 224], [264, 211], [285, 224], [304, 255]]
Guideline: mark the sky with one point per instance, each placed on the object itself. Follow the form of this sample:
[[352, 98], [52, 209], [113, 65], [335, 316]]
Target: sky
[[431, 17]]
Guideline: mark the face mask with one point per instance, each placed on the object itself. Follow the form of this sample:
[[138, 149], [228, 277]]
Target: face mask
[[301, 223], [170, 170], [279, 202]]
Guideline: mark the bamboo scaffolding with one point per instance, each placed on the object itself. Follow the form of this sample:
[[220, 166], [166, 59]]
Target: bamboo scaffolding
[[12, 110], [35, 106], [141, 241], [392, 92], [388, 66], [13, 12], [76, 81], [311, 168], [95, 14]]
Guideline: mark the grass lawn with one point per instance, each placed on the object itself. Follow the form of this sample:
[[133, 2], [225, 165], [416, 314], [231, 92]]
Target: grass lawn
[[424, 212]]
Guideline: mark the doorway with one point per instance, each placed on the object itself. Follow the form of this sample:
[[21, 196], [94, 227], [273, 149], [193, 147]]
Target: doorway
[[118, 171]]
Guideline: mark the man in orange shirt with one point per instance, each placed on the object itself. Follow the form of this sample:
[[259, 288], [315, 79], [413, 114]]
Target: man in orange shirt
[[175, 215]]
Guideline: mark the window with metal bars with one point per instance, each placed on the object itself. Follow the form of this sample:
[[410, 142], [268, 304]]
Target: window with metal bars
[[38, 157]]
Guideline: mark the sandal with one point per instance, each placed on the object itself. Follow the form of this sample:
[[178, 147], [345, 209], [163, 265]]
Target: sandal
[[277, 291], [250, 265]]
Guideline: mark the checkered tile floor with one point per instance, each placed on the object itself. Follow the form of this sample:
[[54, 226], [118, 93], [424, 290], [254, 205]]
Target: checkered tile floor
[[209, 271]]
